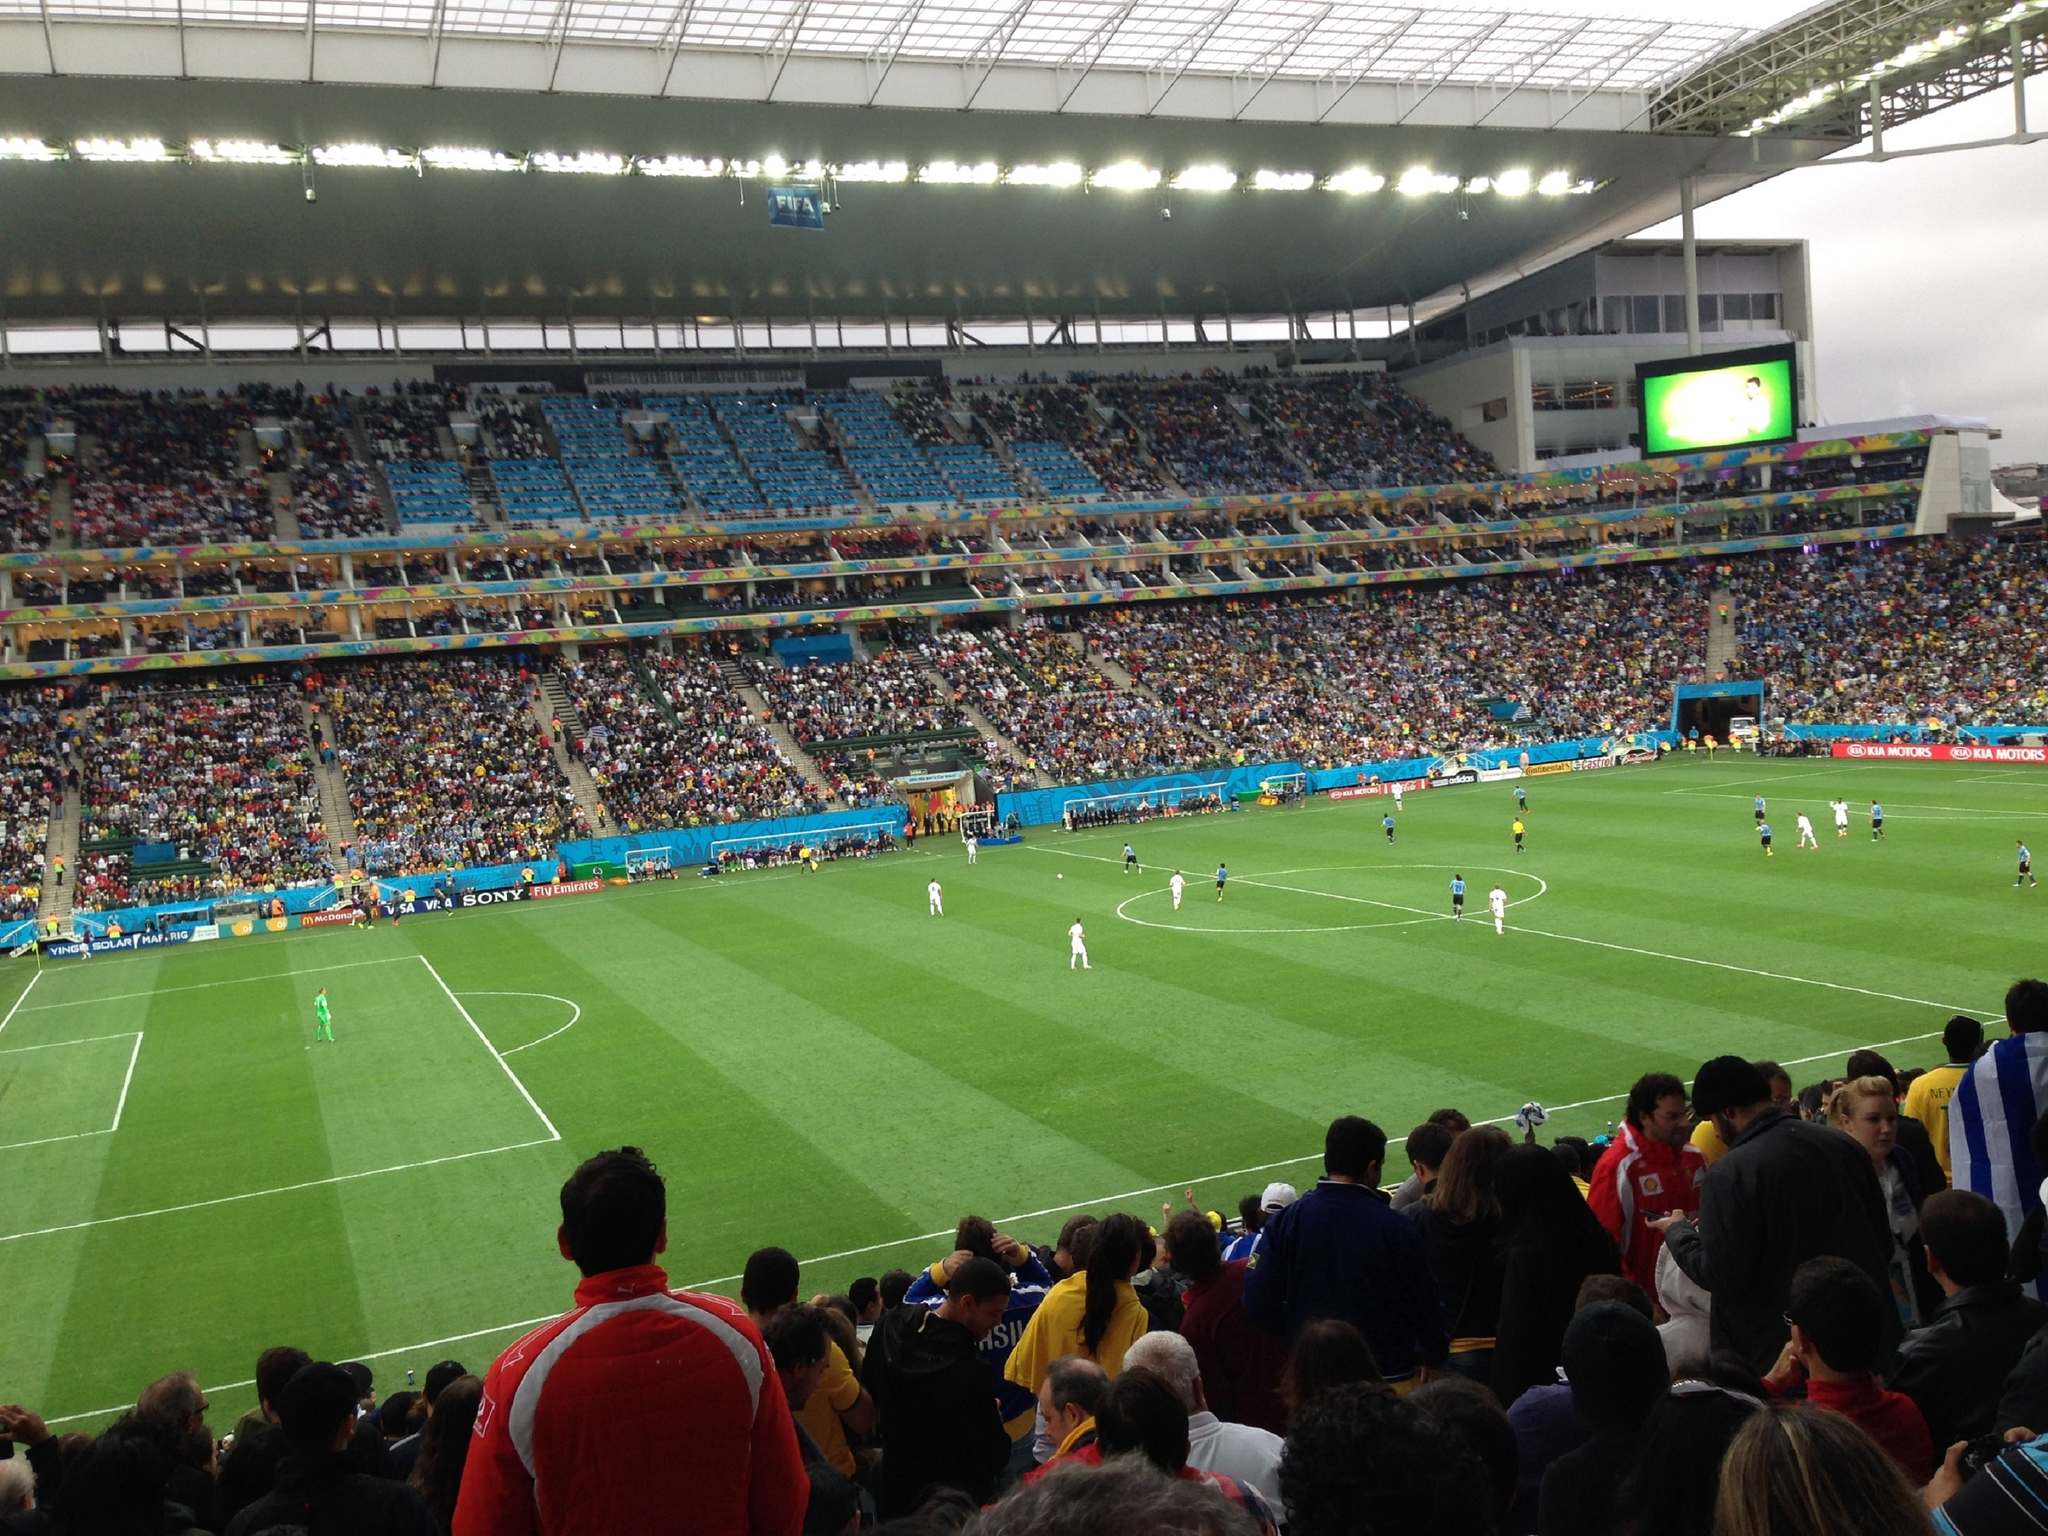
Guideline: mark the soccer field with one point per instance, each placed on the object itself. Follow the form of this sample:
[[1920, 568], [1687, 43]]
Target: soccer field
[[816, 1063]]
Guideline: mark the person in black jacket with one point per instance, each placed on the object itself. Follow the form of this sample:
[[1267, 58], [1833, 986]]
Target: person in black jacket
[[1784, 1192], [935, 1397], [1550, 1241], [1614, 1360], [1955, 1366], [1460, 1225], [315, 1489]]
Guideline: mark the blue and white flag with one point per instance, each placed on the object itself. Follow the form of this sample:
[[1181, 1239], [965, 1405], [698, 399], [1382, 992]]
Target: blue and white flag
[[1991, 1125]]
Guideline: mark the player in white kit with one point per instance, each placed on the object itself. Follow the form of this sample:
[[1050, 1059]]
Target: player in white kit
[[973, 848], [1841, 810], [1806, 838], [1497, 904], [1179, 885], [938, 907], [1397, 796], [1079, 954]]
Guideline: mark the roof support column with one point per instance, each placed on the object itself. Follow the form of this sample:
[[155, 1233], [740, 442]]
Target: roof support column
[[1689, 247], [1877, 120], [2019, 80]]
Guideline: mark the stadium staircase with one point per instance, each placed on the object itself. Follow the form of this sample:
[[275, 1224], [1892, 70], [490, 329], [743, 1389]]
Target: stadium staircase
[[736, 679], [282, 512], [1722, 644], [1003, 749], [483, 492], [553, 703], [337, 811], [63, 521], [61, 843]]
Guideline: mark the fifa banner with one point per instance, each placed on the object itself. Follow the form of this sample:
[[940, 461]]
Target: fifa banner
[[75, 949], [1938, 752]]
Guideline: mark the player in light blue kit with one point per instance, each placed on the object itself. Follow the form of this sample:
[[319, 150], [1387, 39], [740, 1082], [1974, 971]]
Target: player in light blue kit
[[1458, 898]]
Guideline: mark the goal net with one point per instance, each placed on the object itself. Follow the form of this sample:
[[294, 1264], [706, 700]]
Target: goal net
[[978, 821], [1285, 786]]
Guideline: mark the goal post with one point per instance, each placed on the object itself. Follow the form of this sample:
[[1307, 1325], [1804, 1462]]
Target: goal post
[[978, 821], [1285, 786]]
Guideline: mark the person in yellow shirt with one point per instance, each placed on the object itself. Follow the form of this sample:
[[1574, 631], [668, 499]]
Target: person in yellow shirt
[[1708, 1140], [837, 1406], [1094, 1313], [1927, 1098]]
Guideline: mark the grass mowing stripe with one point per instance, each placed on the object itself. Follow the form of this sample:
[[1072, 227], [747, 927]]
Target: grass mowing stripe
[[20, 999]]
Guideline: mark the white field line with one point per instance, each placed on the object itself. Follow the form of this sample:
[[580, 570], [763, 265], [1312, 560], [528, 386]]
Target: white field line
[[44, 1141], [58, 1045], [259, 1194], [11, 1012], [121, 1103], [575, 1013], [1760, 778], [504, 1066], [208, 986], [525, 1324], [1963, 812]]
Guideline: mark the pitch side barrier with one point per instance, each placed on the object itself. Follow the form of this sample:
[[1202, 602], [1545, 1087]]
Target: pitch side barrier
[[1939, 752]]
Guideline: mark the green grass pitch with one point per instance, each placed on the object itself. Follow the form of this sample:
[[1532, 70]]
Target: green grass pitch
[[815, 1062]]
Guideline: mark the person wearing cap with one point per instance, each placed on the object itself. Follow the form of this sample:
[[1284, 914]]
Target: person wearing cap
[[1240, 1362], [977, 1237], [315, 1490], [1786, 1191], [1615, 1365], [406, 1452], [1342, 1251], [639, 1409], [1649, 1170], [934, 1393], [1275, 1199]]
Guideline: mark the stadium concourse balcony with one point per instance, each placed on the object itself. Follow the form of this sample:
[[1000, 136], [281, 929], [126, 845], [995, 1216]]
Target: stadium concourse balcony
[[705, 465], [428, 491], [33, 744], [1940, 629], [886, 460], [1068, 719], [671, 745], [219, 776], [534, 491], [446, 764]]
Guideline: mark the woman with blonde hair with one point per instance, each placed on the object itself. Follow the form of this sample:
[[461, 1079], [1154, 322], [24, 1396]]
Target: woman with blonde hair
[[1808, 1472], [1867, 1110]]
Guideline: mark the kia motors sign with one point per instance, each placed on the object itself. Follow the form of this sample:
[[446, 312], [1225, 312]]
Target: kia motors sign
[[1938, 752]]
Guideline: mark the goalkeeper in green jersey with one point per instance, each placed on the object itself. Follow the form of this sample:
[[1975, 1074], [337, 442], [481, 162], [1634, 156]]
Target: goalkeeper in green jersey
[[323, 1021]]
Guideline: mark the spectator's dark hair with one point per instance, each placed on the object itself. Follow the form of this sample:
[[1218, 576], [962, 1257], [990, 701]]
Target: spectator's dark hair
[[1841, 1311], [319, 1401], [1113, 1258], [1595, 1289], [1813, 1100], [1468, 1410], [1453, 1120], [834, 1500], [1361, 1462], [795, 1336], [393, 1413], [864, 1293], [1962, 1037], [1464, 1184], [1615, 1362], [2026, 1006], [768, 1280], [614, 1209], [1576, 1153], [1143, 1413], [1192, 1245], [1427, 1144], [1119, 1498], [1644, 1093], [942, 1512], [1725, 1083], [276, 1366], [978, 1279], [1678, 1461], [115, 1486], [1077, 1236], [1868, 1063], [1327, 1353], [1967, 1233], [1251, 1212], [892, 1285], [1353, 1146], [444, 1447], [1075, 1380], [1773, 1074], [976, 1234]]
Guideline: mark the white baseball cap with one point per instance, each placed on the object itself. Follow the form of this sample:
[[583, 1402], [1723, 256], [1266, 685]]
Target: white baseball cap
[[1277, 1197]]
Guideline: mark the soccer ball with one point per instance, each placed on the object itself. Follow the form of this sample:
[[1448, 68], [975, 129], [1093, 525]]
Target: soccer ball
[[1530, 1116], [1059, 877]]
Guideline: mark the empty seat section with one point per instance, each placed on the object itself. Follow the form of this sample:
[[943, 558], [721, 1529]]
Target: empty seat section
[[429, 491]]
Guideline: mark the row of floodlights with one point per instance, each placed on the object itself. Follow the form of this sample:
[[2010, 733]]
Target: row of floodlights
[[1947, 40], [1119, 176]]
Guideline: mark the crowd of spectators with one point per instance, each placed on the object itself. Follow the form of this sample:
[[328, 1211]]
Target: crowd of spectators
[[162, 469], [693, 755], [1197, 430], [403, 424], [511, 432], [34, 745], [1066, 414], [1473, 1349], [1066, 718], [1947, 630], [334, 495], [446, 764], [889, 693], [223, 773], [24, 503]]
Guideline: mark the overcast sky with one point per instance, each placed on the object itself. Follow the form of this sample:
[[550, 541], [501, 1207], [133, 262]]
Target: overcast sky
[[1930, 275]]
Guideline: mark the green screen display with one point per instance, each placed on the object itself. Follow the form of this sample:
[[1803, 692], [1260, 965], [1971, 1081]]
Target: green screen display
[[1724, 406]]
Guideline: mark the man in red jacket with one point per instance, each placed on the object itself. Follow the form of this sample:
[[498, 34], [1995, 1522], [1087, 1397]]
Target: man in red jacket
[[1651, 1170], [642, 1409]]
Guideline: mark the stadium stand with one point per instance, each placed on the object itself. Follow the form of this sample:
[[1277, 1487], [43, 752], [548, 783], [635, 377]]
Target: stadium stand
[[1064, 415], [164, 469], [404, 423], [883, 457], [510, 432], [1197, 429], [445, 764], [31, 781], [334, 495], [430, 491], [533, 491], [793, 476], [24, 503], [705, 465]]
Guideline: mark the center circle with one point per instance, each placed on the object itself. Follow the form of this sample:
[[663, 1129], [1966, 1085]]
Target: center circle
[[1264, 880]]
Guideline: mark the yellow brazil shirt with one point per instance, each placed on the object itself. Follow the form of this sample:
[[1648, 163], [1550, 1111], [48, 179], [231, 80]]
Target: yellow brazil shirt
[[1709, 1141], [1927, 1102], [1055, 1330], [836, 1393]]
